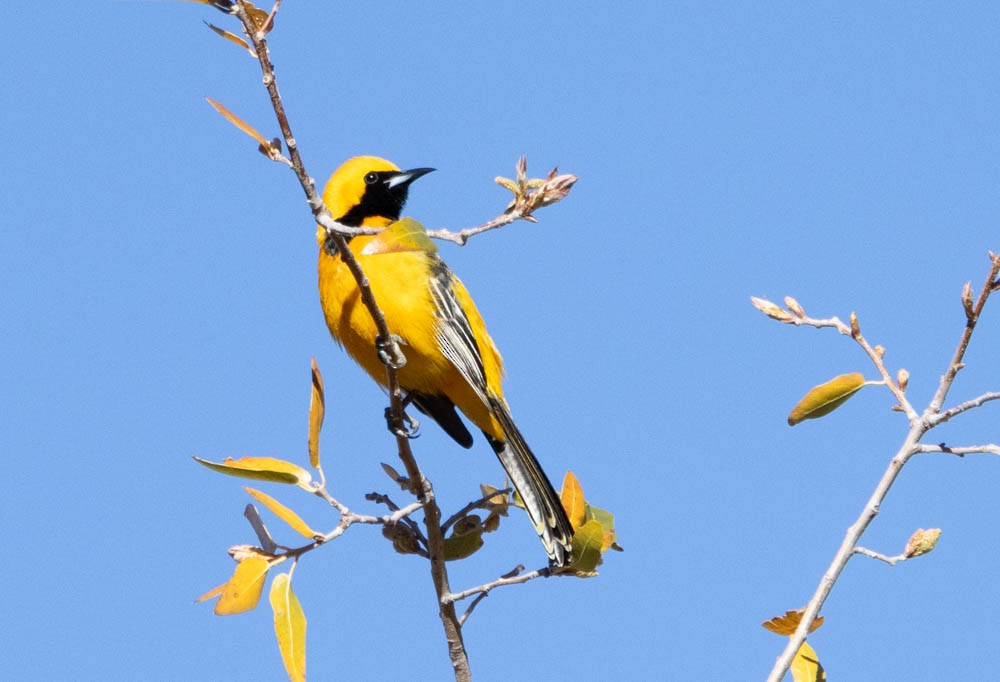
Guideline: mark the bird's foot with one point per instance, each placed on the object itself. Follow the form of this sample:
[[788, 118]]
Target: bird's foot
[[389, 352], [407, 427]]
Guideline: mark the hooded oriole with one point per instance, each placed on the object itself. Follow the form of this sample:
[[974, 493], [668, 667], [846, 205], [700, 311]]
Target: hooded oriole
[[450, 358]]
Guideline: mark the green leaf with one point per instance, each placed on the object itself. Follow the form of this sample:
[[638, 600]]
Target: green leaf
[[466, 537], [587, 541], [825, 398]]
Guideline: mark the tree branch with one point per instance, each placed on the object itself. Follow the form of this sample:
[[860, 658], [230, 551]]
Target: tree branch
[[919, 425], [422, 487]]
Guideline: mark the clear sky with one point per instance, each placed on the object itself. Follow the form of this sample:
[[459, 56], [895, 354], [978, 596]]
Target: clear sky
[[159, 301]]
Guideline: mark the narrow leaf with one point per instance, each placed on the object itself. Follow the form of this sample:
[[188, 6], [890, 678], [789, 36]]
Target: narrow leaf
[[243, 590], [289, 627], [261, 469], [572, 500], [232, 37], [238, 122], [806, 666], [283, 513], [267, 543], [317, 410], [214, 592], [825, 398]]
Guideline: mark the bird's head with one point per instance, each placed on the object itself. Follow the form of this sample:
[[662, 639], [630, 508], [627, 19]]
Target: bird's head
[[368, 191]]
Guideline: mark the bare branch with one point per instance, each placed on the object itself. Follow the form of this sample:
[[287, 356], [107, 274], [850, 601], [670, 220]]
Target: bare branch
[[514, 577], [891, 560], [919, 425], [962, 451], [972, 317], [942, 417]]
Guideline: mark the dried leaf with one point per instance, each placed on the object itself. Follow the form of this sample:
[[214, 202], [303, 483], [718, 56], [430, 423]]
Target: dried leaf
[[242, 592], [317, 410], [267, 543], [572, 500], [289, 626], [825, 398], [262, 469], [257, 17], [806, 667], [496, 501], [922, 542], [238, 122], [403, 539], [403, 481], [283, 513], [786, 624]]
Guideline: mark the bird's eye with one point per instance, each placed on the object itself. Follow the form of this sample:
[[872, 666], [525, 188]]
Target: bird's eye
[[371, 178]]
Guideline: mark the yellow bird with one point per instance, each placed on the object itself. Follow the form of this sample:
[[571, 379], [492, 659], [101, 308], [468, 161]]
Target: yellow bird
[[451, 360]]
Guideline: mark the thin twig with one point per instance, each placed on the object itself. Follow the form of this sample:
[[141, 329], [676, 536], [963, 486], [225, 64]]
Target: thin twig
[[961, 451], [891, 560], [500, 582], [462, 236], [919, 425], [423, 488], [482, 503], [959, 409]]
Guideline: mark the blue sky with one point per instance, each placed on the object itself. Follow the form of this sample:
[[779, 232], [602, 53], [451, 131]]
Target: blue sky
[[159, 302]]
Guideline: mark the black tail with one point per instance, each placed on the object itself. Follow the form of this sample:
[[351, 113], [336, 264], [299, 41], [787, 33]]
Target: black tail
[[540, 499]]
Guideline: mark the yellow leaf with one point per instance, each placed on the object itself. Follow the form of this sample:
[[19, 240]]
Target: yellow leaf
[[572, 500], [496, 502], [238, 122], [289, 627], [786, 624], [214, 592], [466, 537], [243, 590], [825, 398], [262, 469], [587, 541], [921, 542], [806, 666], [283, 513], [317, 409], [231, 37]]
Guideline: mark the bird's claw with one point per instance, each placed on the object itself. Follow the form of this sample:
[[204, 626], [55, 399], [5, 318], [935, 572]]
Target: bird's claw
[[407, 427], [389, 352]]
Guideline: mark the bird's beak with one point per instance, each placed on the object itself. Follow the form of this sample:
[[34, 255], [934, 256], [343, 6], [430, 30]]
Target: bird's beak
[[404, 178]]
